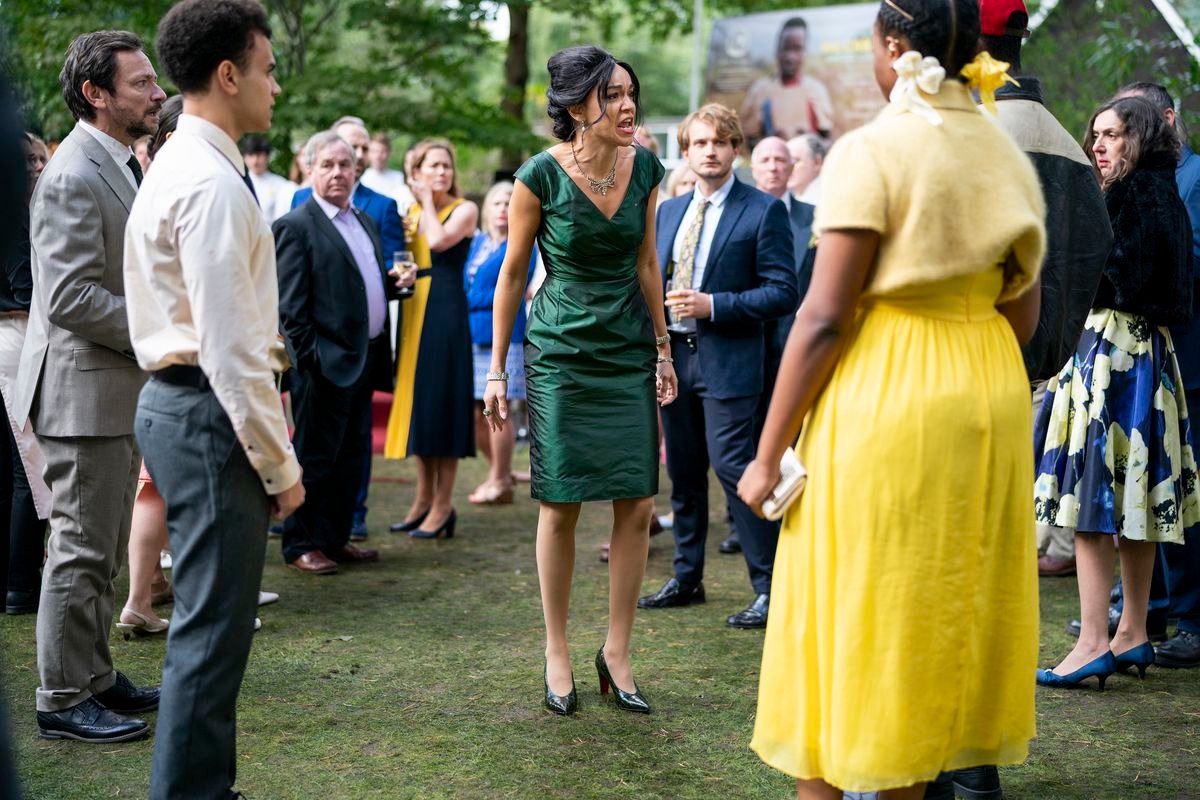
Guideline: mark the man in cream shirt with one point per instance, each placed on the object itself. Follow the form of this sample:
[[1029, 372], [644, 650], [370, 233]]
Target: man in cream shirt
[[203, 318]]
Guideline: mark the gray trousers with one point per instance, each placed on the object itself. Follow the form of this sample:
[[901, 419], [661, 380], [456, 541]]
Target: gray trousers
[[92, 481], [217, 517], [1051, 540]]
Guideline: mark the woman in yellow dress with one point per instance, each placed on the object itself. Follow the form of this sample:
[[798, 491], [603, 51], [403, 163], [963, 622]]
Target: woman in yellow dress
[[902, 639], [433, 408]]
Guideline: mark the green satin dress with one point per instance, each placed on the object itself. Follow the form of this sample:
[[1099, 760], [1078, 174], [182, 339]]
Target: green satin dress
[[589, 344]]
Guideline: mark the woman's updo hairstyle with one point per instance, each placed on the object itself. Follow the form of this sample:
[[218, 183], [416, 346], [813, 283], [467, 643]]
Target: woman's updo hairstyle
[[576, 73], [1148, 138], [948, 30]]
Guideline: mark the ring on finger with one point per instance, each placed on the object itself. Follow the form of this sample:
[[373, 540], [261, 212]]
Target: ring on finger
[[487, 412]]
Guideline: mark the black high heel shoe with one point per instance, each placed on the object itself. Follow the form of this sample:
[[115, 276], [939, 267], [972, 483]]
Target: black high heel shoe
[[444, 532], [411, 525], [563, 705], [626, 701]]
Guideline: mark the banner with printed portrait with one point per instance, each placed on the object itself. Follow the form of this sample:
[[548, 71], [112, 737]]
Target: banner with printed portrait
[[795, 72]]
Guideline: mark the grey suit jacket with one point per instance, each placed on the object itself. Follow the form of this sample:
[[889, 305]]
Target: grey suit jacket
[[78, 376]]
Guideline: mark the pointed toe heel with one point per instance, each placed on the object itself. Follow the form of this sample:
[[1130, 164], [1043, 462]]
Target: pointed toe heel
[[444, 532], [1099, 668], [409, 526], [1139, 657], [563, 705], [633, 701]]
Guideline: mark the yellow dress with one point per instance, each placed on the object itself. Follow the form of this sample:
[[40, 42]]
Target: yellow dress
[[902, 639]]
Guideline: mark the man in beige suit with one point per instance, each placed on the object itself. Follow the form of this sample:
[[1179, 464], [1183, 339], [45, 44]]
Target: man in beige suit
[[78, 383]]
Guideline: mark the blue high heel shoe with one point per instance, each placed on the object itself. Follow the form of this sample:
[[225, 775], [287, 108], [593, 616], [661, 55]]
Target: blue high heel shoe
[[1141, 657], [1100, 668]]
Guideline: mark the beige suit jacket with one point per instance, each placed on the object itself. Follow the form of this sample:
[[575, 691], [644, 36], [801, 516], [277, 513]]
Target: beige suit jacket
[[77, 375]]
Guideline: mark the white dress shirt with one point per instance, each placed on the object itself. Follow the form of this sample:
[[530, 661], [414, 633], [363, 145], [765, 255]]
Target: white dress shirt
[[391, 183], [201, 288], [274, 194], [363, 249], [121, 153], [712, 216]]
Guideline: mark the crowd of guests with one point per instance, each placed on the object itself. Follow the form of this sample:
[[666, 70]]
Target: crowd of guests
[[190, 345]]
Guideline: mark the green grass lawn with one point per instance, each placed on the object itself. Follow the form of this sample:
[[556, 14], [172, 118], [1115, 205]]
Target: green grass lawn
[[420, 677]]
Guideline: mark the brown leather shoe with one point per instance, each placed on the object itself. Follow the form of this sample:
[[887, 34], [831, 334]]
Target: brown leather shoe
[[314, 562], [1052, 567], [352, 553]]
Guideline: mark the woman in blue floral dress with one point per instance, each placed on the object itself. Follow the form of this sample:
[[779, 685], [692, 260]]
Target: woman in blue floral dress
[[1112, 439]]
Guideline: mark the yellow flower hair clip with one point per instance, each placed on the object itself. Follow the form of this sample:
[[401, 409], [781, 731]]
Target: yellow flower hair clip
[[985, 75]]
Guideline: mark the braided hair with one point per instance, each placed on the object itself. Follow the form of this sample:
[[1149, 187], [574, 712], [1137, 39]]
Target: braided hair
[[948, 30]]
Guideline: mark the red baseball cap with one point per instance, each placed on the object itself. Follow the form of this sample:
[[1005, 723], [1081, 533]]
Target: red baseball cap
[[994, 14]]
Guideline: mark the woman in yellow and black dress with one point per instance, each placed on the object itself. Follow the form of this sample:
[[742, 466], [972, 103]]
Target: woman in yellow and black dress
[[432, 411]]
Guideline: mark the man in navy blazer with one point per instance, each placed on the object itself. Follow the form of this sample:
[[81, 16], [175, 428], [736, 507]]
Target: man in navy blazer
[[382, 210], [333, 297], [727, 258]]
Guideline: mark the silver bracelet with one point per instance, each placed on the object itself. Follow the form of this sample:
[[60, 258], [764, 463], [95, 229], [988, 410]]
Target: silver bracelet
[[497, 376], [665, 360], [660, 340]]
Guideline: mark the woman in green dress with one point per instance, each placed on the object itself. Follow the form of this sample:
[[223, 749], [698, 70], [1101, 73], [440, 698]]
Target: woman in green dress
[[592, 373]]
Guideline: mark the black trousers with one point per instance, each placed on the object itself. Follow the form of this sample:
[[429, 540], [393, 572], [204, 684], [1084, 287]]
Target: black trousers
[[332, 426], [699, 430], [22, 545]]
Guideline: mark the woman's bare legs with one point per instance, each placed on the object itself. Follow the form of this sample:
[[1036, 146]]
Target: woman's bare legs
[[1137, 569], [444, 472], [497, 447], [426, 480], [626, 566], [556, 564], [147, 539], [1094, 560]]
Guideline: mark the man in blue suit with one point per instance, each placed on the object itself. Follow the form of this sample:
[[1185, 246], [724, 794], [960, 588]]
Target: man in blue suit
[[383, 212], [727, 257]]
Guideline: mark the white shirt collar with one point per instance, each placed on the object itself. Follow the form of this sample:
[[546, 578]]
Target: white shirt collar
[[203, 129], [717, 198], [119, 152], [329, 208]]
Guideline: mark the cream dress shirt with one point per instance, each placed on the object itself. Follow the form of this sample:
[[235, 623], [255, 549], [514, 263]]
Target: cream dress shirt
[[201, 288]]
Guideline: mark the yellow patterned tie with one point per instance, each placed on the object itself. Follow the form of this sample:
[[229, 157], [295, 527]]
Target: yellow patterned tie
[[687, 256]]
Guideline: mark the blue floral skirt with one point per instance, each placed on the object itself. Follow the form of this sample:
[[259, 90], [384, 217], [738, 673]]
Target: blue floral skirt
[[1111, 442]]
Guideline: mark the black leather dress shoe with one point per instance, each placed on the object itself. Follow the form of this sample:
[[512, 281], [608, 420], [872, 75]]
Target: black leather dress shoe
[[125, 698], [977, 783], [18, 602], [730, 544], [1156, 630], [90, 722], [673, 593], [753, 615], [1180, 651]]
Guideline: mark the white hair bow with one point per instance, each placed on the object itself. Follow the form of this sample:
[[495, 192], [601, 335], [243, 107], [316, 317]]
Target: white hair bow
[[916, 75]]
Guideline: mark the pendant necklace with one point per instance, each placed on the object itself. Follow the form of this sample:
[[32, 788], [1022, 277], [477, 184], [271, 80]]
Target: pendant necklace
[[598, 185]]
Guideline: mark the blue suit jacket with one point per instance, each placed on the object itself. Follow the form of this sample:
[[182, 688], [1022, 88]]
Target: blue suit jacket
[[382, 211], [751, 276], [1187, 336]]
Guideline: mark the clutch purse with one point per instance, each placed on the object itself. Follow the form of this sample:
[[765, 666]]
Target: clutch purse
[[792, 478]]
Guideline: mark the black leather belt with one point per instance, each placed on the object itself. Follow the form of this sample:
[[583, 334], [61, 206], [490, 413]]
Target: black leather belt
[[182, 375], [688, 338]]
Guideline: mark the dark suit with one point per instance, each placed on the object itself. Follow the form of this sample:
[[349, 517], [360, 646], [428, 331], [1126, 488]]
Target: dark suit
[[379, 207], [324, 315], [800, 218], [750, 275], [383, 211]]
